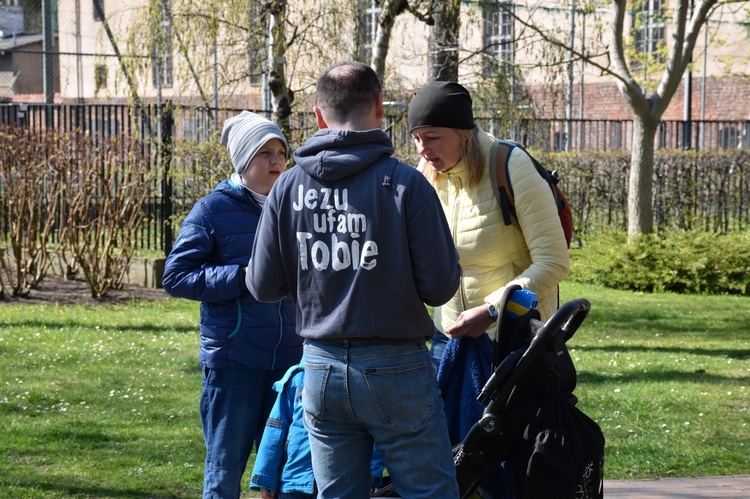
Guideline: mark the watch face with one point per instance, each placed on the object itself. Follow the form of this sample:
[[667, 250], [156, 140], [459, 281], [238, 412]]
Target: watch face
[[493, 311]]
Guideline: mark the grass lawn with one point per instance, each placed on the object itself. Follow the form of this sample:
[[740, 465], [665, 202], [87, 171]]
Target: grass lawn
[[667, 377], [102, 401]]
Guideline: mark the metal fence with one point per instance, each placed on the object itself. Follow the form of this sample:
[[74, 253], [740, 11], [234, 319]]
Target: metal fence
[[617, 135], [168, 131], [197, 124]]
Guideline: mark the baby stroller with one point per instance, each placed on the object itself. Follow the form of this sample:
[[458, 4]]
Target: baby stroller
[[528, 422]]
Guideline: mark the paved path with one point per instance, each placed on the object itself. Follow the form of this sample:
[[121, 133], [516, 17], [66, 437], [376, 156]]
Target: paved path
[[679, 488]]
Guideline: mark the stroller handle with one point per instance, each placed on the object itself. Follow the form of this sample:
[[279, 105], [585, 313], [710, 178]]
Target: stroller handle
[[569, 318], [566, 320]]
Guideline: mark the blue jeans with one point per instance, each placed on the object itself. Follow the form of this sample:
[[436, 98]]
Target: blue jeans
[[437, 347], [359, 393], [234, 406]]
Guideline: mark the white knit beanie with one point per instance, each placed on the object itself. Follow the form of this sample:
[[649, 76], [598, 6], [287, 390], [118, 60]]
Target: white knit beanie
[[243, 135]]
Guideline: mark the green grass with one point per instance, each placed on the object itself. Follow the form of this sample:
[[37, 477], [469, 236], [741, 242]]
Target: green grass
[[102, 401], [667, 378]]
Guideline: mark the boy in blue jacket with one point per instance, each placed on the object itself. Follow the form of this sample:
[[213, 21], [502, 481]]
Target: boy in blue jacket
[[283, 467], [245, 345]]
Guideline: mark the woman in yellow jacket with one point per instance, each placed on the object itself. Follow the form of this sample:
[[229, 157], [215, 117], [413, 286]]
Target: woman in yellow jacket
[[455, 159]]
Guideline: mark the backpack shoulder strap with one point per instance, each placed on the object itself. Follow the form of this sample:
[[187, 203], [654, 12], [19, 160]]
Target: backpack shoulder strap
[[499, 155]]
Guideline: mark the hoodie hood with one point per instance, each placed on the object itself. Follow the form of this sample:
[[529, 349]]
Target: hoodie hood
[[336, 154]]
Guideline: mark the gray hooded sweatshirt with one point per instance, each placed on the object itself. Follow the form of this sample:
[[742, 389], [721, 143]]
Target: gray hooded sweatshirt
[[358, 239]]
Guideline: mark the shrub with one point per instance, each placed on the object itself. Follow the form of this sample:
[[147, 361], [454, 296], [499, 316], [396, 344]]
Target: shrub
[[70, 193], [692, 261], [108, 183], [692, 189], [31, 190]]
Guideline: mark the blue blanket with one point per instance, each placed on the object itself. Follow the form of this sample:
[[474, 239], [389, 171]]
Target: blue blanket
[[464, 369]]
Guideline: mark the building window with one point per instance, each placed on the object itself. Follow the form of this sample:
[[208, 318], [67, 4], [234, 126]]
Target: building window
[[368, 28], [98, 10], [162, 49], [648, 28], [498, 37], [100, 77], [259, 36]]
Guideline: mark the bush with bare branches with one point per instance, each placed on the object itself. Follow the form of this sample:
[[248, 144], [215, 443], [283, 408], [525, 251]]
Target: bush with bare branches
[[108, 183], [32, 186]]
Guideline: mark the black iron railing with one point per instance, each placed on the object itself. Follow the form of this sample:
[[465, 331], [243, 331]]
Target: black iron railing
[[183, 144]]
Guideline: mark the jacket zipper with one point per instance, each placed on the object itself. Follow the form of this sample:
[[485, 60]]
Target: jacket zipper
[[451, 178], [239, 318]]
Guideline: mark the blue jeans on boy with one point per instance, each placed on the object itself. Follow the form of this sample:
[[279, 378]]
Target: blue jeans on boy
[[234, 406], [358, 393]]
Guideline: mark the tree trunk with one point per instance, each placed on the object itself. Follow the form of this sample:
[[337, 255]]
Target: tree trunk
[[687, 21], [390, 10], [281, 96], [640, 188], [444, 41]]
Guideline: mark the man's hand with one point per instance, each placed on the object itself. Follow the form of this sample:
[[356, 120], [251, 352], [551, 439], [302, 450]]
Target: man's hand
[[267, 494]]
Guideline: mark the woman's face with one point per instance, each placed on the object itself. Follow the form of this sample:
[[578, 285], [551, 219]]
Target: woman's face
[[440, 147], [265, 167]]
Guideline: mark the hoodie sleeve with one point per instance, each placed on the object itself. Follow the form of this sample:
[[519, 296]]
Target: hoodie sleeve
[[187, 273], [265, 277], [435, 265]]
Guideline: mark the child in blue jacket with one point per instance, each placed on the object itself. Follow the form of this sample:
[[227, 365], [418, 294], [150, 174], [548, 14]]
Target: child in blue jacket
[[283, 468], [245, 345]]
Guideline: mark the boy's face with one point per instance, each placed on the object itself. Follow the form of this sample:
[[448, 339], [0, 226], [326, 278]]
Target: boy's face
[[265, 167]]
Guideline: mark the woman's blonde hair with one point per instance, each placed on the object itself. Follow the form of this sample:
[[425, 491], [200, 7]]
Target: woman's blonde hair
[[471, 154]]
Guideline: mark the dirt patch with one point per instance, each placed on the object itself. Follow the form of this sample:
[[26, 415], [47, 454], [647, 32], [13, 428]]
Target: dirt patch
[[57, 290]]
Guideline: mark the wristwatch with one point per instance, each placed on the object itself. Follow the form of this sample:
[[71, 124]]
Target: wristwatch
[[493, 311]]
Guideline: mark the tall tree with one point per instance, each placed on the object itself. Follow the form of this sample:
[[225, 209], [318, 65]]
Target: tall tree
[[281, 95], [233, 46], [648, 109], [390, 10], [444, 40], [687, 19]]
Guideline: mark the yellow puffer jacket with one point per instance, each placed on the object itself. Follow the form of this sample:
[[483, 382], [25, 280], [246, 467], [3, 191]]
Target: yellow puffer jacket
[[493, 254]]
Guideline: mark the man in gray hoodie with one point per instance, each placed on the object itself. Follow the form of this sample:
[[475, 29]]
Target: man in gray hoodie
[[360, 242]]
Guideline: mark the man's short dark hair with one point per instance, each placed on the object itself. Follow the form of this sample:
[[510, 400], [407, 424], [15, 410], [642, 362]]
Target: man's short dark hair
[[346, 88]]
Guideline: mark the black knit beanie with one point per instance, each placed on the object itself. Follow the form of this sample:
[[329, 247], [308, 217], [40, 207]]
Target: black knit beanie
[[441, 103]]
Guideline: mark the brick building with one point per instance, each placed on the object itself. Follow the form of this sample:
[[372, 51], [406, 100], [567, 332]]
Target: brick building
[[726, 99], [495, 39]]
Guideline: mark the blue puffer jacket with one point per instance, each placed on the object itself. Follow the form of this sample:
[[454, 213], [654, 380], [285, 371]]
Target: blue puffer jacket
[[207, 263], [283, 463]]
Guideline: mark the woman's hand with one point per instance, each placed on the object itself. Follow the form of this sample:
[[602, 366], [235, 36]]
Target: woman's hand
[[471, 323]]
